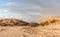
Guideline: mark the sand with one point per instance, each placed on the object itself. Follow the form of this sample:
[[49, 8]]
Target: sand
[[24, 31]]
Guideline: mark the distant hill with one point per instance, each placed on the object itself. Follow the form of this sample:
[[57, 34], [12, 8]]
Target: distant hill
[[50, 20], [12, 22]]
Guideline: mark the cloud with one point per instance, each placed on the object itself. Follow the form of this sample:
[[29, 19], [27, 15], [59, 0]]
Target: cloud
[[26, 17], [31, 9], [26, 7], [23, 9], [52, 6], [6, 11]]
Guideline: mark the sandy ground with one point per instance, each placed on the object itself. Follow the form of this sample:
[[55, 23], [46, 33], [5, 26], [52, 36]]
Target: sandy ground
[[21, 31]]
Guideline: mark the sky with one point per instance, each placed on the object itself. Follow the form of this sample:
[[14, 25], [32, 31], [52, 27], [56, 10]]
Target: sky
[[29, 10]]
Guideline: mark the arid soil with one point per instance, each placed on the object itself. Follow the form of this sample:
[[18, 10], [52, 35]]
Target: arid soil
[[21, 31]]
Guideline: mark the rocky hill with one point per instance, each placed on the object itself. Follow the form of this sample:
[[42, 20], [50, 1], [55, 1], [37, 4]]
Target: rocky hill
[[50, 20], [12, 22]]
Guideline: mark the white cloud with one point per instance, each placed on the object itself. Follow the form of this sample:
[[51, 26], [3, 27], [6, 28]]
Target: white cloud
[[6, 11]]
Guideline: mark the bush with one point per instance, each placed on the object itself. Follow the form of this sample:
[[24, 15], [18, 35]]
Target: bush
[[21, 24], [53, 21], [16, 24], [44, 23], [33, 24], [2, 24]]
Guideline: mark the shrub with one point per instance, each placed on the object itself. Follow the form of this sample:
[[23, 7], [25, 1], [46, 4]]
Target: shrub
[[21, 24], [53, 21], [2, 24], [44, 23], [33, 24]]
